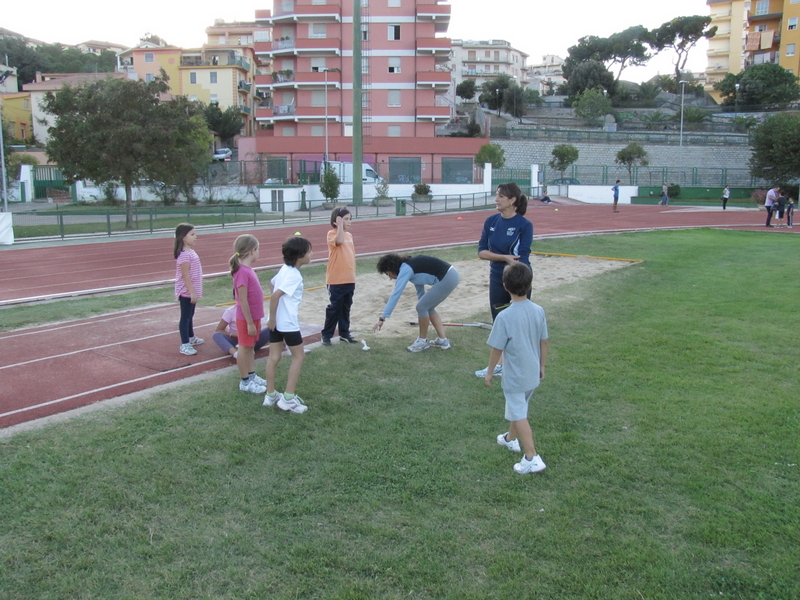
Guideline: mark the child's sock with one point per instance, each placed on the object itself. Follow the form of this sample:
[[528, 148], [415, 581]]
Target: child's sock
[[288, 396], [251, 374], [245, 379]]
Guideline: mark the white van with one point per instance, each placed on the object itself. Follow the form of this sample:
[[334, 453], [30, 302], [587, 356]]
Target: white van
[[344, 171]]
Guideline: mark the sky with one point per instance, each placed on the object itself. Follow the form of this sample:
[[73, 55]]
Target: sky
[[535, 27]]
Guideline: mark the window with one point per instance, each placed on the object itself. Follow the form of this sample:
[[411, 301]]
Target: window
[[149, 77], [148, 57], [365, 65], [394, 4], [214, 99], [317, 130], [405, 170], [22, 131], [471, 56], [394, 64], [497, 55], [26, 104], [223, 40], [364, 3], [213, 76], [317, 64], [192, 77], [790, 48], [761, 27], [394, 131], [318, 98], [762, 7], [456, 170], [393, 98], [287, 131], [318, 2], [364, 32], [394, 32], [487, 54], [792, 23], [318, 30]]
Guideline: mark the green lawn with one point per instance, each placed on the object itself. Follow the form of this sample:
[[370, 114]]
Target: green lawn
[[668, 420]]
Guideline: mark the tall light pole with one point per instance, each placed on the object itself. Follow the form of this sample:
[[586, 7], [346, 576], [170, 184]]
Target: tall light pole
[[683, 87], [325, 157], [497, 93], [736, 101]]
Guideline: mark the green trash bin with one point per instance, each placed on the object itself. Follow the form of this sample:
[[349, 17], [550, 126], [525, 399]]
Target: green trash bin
[[400, 207]]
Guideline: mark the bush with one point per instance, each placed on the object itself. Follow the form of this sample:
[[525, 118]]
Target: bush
[[422, 189], [674, 190], [759, 196]]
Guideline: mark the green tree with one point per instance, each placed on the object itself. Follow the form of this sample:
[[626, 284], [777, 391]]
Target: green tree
[[631, 155], [767, 83], [329, 184], [648, 91], [119, 130], [52, 58], [681, 34], [621, 50], [533, 97], [693, 117], [589, 75], [776, 149], [227, 123], [564, 156], [466, 89], [494, 90], [514, 101], [491, 153], [591, 104]]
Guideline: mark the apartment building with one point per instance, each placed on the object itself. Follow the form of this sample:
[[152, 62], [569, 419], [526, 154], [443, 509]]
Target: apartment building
[[482, 61], [546, 76], [307, 103], [752, 32], [17, 114], [97, 47]]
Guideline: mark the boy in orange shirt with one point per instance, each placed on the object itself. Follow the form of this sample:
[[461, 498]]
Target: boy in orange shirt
[[340, 277]]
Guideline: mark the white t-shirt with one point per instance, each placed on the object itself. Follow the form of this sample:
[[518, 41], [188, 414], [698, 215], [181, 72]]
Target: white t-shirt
[[290, 282]]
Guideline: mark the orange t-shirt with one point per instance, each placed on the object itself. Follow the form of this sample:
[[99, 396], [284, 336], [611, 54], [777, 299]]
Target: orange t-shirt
[[341, 260]]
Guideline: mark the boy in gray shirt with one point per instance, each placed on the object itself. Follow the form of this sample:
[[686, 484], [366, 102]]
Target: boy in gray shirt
[[520, 335]]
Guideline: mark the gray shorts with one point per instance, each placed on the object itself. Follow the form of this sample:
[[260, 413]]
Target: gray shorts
[[517, 405]]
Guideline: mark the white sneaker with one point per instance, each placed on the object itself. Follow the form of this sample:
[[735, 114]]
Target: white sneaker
[[444, 344], [419, 345], [252, 387], [187, 349], [513, 445], [271, 401], [533, 465], [294, 405], [259, 380], [498, 371], [196, 341]]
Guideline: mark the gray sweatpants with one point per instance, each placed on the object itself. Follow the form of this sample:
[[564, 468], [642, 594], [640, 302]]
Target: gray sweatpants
[[428, 301]]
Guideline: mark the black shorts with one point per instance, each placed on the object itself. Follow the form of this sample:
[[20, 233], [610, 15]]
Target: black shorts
[[291, 338]]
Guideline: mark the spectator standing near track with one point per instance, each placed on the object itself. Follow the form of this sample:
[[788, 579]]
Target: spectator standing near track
[[506, 238], [780, 207], [664, 194], [790, 213], [769, 203], [340, 277], [188, 285], [284, 326], [520, 335], [421, 271], [249, 311], [726, 194], [615, 190], [227, 338]]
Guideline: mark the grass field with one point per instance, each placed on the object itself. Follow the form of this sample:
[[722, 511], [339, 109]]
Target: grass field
[[668, 421]]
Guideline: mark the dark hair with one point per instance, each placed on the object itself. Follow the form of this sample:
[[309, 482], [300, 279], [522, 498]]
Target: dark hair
[[391, 263], [617, 181], [511, 190], [244, 245], [517, 278], [181, 231], [295, 248], [340, 211]]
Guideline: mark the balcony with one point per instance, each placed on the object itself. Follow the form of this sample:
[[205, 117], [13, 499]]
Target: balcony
[[318, 13], [434, 79], [218, 59], [245, 87], [436, 13], [437, 114], [245, 110], [439, 48]]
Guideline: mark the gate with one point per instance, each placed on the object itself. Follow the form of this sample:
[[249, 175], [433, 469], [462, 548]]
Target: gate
[[522, 177], [46, 180]]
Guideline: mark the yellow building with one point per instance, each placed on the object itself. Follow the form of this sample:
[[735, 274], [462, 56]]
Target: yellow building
[[17, 113], [752, 32]]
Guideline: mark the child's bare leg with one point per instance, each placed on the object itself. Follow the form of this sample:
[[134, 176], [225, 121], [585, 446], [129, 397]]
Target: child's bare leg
[[424, 323], [273, 359], [246, 361], [521, 429], [298, 356], [436, 321]]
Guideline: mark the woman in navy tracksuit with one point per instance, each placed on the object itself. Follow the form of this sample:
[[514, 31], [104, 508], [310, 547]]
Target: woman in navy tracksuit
[[506, 238]]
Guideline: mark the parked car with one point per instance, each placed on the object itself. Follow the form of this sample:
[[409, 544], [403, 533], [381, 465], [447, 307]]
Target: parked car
[[565, 181], [223, 154]]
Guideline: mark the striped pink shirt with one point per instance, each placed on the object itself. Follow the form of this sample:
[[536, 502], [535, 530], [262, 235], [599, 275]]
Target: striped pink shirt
[[195, 274]]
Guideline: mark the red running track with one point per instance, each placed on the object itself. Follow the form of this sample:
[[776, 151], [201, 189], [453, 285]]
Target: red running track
[[55, 368]]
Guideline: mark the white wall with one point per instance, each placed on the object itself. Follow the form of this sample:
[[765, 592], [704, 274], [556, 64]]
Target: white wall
[[598, 194]]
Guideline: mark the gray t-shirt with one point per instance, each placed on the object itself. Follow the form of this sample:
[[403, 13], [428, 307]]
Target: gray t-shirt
[[518, 331]]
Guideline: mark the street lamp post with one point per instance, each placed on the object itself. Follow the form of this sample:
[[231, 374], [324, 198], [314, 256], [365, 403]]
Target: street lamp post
[[683, 87], [736, 101], [497, 94]]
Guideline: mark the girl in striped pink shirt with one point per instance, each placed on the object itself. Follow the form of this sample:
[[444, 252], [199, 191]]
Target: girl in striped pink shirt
[[188, 284]]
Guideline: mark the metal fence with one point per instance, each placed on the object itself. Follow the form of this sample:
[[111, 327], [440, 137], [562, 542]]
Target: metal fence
[[654, 176], [621, 137]]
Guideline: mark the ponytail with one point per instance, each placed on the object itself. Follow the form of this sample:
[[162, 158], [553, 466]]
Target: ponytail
[[244, 245]]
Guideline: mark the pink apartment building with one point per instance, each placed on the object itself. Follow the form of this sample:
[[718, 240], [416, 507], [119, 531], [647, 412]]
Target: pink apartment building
[[308, 97]]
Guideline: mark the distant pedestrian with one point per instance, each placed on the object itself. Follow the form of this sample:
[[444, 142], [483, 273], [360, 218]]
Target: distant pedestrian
[[664, 194], [769, 203], [615, 189], [188, 285], [726, 194], [790, 213]]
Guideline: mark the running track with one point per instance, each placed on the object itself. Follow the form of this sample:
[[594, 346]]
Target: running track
[[56, 368]]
